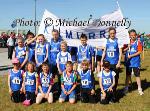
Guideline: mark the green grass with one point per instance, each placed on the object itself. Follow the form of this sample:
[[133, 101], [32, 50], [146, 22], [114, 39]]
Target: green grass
[[131, 102]]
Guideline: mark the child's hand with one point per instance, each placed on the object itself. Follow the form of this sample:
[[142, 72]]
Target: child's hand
[[65, 92], [69, 92], [21, 91], [36, 92], [10, 92], [103, 95], [46, 95], [43, 95], [110, 89], [92, 92], [118, 65]]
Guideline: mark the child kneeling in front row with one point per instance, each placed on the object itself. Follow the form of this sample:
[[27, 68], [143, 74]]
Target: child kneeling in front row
[[45, 85], [87, 83], [107, 82], [68, 84]]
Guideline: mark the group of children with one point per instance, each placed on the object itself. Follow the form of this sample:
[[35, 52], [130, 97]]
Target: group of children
[[37, 62]]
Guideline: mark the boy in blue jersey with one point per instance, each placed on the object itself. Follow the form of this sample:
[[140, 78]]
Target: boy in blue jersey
[[21, 53], [112, 53], [106, 82], [54, 49], [68, 84], [45, 85], [15, 80], [30, 81], [87, 83], [133, 61], [85, 52]]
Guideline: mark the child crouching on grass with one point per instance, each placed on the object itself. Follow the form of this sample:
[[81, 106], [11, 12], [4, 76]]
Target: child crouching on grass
[[45, 85], [30, 81], [68, 84], [107, 82], [15, 80]]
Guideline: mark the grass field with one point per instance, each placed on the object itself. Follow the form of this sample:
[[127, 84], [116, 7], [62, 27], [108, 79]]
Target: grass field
[[131, 102]]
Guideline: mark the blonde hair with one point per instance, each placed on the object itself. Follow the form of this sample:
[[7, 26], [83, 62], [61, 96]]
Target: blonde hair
[[64, 42], [85, 62], [75, 66], [31, 63]]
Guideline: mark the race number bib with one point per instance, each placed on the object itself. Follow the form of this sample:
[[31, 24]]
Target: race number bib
[[29, 82], [63, 60], [85, 82], [110, 54], [83, 55], [45, 82], [39, 50], [16, 80], [107, 81], [21, 53]]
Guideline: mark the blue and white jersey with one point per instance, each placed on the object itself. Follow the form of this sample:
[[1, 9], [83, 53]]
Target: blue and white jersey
[[16, 79], [45, 81], [54, 49], [62, 58], [31, 51], [85, 53], [86, 79], [112, 51], [41, 51], [99, 52], [107, 78], [30, 81], [20, 53], [68, 81]]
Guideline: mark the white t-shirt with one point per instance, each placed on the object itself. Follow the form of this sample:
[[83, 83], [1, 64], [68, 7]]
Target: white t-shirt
[[105, 73], [63, 54], [119, 43], [10, 41]]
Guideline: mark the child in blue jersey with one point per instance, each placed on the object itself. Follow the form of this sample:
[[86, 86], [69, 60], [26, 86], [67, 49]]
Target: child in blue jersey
[[133, 61], [106, 82], [112, 53], [21, 53], [30, 80], [15, 80], [63, 57], [68, 84], [31, 43], [54, 49], [41, 50], [87, 83], [85, 52], [45, 85]]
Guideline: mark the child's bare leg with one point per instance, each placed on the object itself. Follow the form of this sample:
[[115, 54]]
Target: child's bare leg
[[61, 100], [39, 98], [50, 98], [72, 100]]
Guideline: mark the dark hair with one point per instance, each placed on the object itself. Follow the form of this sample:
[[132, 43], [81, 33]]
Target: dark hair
[[132, 30], [83, 36], [69, 63], [29, 33], [112, 28], [32, 63], [106, 64], [45, 64], [55, 30]]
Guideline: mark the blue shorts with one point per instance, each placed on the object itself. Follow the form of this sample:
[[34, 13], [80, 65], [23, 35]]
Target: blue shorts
[[71, 95]]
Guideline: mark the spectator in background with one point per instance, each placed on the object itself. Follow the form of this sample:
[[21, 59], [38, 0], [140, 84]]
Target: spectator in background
[[10, 44]]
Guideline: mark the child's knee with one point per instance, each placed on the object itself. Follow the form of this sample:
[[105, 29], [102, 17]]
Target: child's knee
[[72, 101], [61, 100]]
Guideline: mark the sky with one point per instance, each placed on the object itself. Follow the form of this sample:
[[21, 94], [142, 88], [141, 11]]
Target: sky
[[136, 10]]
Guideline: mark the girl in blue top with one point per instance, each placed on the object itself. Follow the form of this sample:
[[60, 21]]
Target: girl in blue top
[[106, 82], [15, 78], [30, 80], [45, 85]]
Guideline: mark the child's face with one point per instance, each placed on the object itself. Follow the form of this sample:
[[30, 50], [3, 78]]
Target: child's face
[[112, 34], [20, 43], [55, 35], [63, 47], [45, 69], [83, 41], [133, 35], [30, 37], [85, 66], [41, 39], [106, 69], [69, 67], [30, 68], [16, 65]]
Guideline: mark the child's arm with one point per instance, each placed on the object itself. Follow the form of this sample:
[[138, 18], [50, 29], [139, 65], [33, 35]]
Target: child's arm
[[10, 91], [37, 83], [101, 86], [36, 57], [103, 56], [119, 61], [24, 83], [22, 87], [46, 53], [113, 84], [14, 54], [57, 61], [26, 59], [32, 40]]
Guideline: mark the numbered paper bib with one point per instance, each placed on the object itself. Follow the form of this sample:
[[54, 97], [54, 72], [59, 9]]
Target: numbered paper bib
[[16, 80], [29, 82], [39, 50], [63, 60], [21, 53], [85, 82], [110, 54], [107, 81], [45, 82]]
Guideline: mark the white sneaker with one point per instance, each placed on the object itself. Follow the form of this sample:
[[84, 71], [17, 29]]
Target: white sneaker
[[140, 92]]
